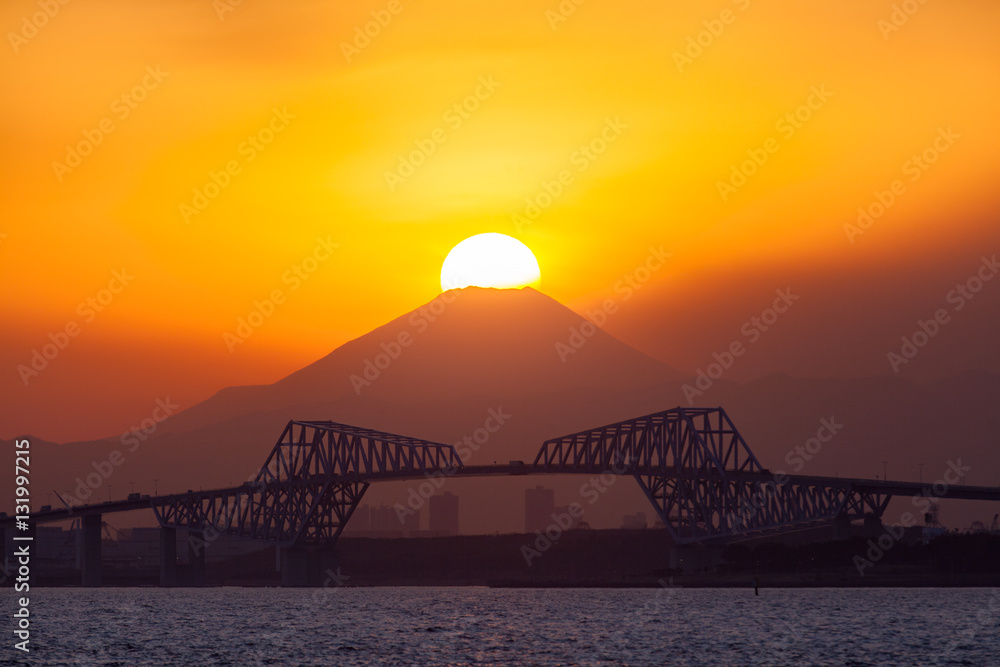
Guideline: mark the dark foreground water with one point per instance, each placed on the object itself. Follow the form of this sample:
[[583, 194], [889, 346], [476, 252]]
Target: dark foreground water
[[479, 626]]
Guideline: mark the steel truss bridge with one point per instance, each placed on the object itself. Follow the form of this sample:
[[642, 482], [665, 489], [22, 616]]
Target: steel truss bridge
[[703, 480]]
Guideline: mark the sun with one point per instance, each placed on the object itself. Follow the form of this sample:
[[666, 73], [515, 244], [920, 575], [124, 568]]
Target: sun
[[489, 260]]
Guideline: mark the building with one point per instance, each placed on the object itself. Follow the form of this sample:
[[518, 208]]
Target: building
[[635, 521], [539, 506], [390, 522], [384, 522], [411, 523], [444, 514]]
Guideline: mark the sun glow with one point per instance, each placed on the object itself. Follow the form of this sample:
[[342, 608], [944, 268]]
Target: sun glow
[[489, 260]]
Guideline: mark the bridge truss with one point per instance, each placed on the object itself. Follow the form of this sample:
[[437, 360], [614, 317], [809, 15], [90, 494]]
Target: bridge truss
[[703, 480], [310, 484]]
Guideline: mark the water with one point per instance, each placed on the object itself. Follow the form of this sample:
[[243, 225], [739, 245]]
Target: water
[[479, 626]]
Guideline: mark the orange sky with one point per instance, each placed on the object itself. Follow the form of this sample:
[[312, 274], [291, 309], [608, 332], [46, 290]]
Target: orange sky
[[672, 129]]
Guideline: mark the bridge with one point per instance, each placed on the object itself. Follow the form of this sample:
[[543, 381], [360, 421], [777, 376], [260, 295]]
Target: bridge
[[703, 480]]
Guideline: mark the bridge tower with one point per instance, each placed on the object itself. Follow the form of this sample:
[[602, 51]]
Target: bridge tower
[[305, 493]]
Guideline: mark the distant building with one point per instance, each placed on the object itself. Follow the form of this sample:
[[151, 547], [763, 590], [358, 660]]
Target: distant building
[[385, 522], [635, 521], [539, 506], [411, 523], [444, 514]]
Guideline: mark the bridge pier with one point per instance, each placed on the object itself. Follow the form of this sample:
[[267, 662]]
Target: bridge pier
[[168, 557], [329, 566], [292, 563], [842, 527], [196, 558], [873, 525], [302, 566], [91, 562]]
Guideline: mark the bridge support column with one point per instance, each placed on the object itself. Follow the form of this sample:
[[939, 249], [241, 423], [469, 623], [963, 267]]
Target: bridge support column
[[301, 566], [842, 527], [168, 556], [294, 566], [196, 557], [873, 525], [329, 569], [91, 562]]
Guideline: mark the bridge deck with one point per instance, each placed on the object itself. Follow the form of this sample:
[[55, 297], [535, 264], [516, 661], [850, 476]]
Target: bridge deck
[[890, 488]]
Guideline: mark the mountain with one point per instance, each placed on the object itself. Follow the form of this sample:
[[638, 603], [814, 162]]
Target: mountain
[[439, 370], [433, 373], [468, 342]]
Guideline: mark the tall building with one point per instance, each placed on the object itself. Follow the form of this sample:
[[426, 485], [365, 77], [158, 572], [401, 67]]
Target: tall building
[[634, 521], [539, 505], [384, 520], [395, 521], [444, 514]]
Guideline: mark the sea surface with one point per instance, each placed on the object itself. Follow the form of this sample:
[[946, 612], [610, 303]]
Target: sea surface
[[481, 626]]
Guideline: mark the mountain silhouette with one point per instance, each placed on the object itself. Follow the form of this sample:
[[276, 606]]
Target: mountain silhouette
[[474, 341], [438, 371], [434, 373]]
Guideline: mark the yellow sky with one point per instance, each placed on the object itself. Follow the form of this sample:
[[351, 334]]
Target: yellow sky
[[671, 131]]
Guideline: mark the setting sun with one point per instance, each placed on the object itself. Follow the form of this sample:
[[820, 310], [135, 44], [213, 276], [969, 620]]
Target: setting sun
[[489, 260]]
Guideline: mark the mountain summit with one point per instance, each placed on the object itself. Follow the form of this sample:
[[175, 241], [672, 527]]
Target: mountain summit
[[475, 341], [438, 371], [433, 373]]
